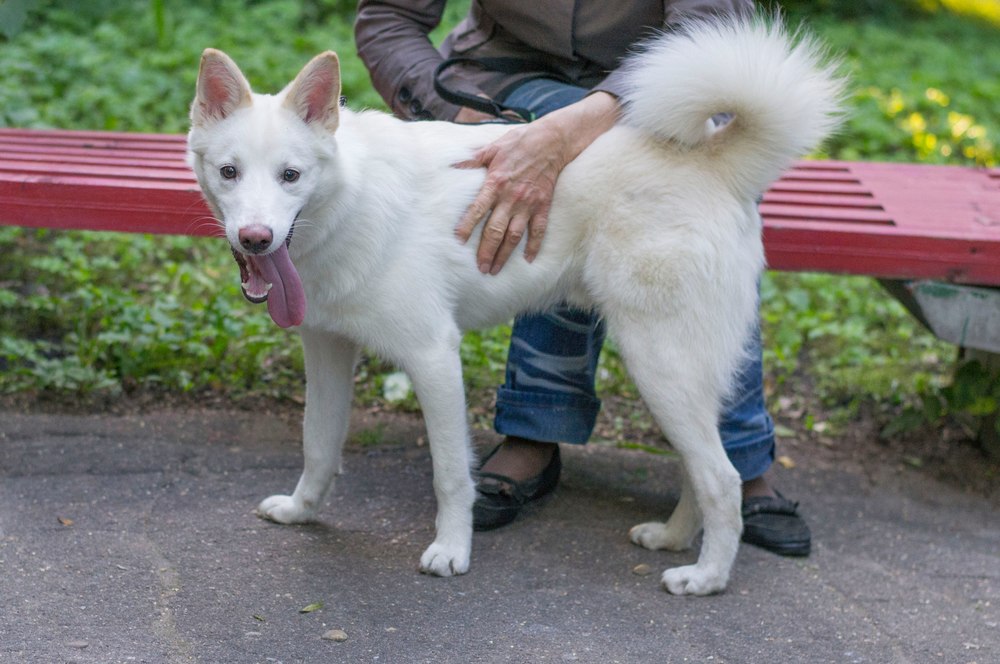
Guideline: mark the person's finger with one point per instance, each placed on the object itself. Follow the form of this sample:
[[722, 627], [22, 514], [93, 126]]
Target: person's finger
[[515, 231], [494, 232], [536, 231], [471, 163], [476, 212], [480, 159]]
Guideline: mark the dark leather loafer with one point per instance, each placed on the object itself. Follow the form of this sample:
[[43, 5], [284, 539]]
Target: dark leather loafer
[[774, 523], [499, 499]]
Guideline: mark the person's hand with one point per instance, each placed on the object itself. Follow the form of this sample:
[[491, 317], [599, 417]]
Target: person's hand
[[521, 171], [522, 167]]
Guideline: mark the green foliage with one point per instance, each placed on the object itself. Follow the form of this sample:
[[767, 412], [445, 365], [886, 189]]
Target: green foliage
[[86, 312], [846, 10], [924, 95], [102, 313], [132, 66], [858, 341], [13, 15], [973, 394]]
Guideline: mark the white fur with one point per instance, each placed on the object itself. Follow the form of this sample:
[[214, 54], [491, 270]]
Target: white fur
[[655, 225]]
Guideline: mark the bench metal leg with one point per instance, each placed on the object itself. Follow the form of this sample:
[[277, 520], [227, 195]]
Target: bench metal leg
[[967, 316]]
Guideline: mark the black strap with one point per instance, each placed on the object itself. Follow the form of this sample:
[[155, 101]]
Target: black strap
[[486, 104]]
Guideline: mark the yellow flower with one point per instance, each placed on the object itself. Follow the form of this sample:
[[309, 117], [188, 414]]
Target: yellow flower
[[915, 123], [959, 123], [937, 96], [976, 132], [895, 103]]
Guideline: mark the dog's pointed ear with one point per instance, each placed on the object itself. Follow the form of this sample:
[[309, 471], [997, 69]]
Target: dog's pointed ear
[[221, 88], [314, 95]]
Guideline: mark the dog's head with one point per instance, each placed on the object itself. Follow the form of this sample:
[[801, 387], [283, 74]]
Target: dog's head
[[259, 161]]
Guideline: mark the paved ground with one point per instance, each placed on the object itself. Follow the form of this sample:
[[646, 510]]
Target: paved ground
[[132, 539]]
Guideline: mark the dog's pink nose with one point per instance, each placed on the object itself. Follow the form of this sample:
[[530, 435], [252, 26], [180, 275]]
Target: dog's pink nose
[[256, 238]]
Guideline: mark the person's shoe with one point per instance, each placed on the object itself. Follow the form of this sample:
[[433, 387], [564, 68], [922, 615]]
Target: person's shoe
[[499, 499], [774, 523]]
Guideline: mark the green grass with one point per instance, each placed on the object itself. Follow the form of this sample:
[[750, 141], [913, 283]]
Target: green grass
[[99, 314]]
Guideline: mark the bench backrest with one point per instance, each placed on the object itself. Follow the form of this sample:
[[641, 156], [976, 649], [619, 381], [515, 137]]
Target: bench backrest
[[896, 221]]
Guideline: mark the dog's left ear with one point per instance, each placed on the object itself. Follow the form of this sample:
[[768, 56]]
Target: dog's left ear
[[314, 95]]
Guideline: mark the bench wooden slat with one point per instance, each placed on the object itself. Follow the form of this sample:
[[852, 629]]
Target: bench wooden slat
[[90, 137], [75, 160], [134, 170], [836, 200], [60, 154], [834, 249], [818, 212], [91, 204], [815, 187], [897, 221]]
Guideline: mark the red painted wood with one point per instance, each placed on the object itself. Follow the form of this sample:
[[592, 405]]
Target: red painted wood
[[899, 221]]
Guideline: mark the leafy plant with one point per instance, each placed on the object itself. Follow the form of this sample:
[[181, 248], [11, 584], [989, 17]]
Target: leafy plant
[[973, 395]]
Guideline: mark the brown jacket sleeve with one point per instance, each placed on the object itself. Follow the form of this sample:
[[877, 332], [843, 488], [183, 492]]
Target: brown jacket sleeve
[[392, 39]]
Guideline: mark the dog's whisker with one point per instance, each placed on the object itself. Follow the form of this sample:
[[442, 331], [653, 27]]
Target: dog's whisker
[[218, 227]]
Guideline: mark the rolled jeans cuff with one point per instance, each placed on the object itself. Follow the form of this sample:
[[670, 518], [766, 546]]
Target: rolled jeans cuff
[[750, 453], [546, 417]]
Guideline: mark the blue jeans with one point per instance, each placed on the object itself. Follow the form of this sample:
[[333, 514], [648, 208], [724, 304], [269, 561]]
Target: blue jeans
[[552, 362]]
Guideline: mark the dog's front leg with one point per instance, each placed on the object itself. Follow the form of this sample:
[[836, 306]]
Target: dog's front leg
[[437, 378], [330, 361]]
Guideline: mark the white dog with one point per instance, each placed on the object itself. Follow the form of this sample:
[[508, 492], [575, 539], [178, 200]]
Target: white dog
[[654, 225]]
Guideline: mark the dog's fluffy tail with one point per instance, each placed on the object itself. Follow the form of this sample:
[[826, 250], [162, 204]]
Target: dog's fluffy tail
[[780, 89]]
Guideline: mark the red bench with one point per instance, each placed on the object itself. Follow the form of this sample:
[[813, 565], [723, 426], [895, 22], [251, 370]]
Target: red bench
[[891, 221]]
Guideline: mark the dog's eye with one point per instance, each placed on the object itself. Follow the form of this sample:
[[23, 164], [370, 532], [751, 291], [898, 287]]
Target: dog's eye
[[290, 175], [229, 172]]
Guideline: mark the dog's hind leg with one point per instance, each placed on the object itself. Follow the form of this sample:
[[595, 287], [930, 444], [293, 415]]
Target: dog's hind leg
[[675, 373], [437, 379], [330, 361], [680, 529]]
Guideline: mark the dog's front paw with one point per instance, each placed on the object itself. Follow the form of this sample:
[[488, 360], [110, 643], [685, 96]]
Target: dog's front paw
[[284, 509], [655, 535], [693, 580], [445, 560]]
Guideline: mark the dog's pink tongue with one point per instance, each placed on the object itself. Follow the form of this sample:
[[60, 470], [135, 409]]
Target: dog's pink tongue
[[286, 301]]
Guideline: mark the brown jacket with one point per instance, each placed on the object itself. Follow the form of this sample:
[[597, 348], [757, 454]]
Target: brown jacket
[[583, 41]]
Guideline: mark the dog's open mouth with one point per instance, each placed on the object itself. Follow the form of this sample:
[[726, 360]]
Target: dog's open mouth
[[272, 278]]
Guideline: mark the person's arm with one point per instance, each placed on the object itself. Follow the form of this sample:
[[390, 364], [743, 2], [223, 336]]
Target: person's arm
[[522, 169], [392, 40]]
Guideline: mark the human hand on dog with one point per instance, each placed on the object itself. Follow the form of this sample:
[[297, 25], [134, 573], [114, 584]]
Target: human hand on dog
[[522, 167]]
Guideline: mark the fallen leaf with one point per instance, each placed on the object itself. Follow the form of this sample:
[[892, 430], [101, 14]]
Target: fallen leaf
[[315, 606], [642, 569], [781, 431], [64, 521], [337, 635], [786, 461]]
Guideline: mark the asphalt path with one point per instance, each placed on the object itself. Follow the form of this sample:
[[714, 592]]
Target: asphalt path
[[133, 539]]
